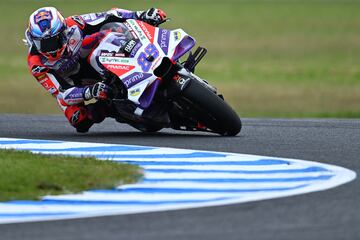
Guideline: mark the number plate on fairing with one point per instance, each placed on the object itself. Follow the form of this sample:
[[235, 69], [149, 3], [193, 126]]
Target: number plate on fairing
[[152, 44]]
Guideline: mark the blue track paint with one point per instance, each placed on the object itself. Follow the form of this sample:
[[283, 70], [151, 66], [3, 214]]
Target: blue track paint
[[165, 155], [8, 142], [238, 180], [119, 202], [193, 190], [305, 170], [94, 149], [222, 163], [35, 214], [173, 179]]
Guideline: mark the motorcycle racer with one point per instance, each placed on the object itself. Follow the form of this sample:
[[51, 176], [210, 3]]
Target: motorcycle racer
[[59, 50]]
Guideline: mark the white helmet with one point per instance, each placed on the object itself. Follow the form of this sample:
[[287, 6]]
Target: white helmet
[[47, 33]]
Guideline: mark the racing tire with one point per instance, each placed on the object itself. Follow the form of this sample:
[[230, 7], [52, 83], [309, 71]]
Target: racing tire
[[147, 128], [211, 110]]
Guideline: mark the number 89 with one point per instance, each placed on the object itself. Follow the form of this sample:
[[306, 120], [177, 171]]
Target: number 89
[[150, 50]]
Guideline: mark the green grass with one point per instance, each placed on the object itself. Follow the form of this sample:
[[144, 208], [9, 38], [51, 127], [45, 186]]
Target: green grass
[[24, 175], [270, 58]]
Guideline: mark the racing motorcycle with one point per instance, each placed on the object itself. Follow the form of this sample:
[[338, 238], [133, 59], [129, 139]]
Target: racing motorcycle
[[152, 88]]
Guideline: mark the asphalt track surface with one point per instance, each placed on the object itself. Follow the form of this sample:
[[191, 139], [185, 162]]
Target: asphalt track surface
[[330, 214]]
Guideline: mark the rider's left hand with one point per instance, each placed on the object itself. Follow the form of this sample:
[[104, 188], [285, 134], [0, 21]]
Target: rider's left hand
[[153, 16], [99, 91]]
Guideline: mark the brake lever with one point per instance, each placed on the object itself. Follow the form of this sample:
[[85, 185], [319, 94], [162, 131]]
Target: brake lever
[[163, 21]]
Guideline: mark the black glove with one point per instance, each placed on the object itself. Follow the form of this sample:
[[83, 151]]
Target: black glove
[[99, 91], [153, 16]]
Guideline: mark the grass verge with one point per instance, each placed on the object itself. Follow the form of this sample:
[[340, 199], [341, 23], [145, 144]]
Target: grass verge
[[269, 58], [24, 175]]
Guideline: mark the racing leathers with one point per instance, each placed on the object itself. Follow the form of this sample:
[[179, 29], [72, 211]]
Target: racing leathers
[[71, 79]]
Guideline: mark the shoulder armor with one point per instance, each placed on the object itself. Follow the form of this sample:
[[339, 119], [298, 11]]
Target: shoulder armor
[[75, 20]]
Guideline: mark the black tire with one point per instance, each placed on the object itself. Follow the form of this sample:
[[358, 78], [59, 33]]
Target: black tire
[[147, 128], [211, 110]]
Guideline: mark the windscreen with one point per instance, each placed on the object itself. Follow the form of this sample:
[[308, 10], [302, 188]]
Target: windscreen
[[118, 27]]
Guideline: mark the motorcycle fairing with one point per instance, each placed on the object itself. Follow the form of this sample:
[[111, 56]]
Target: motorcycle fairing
[[136, 70]]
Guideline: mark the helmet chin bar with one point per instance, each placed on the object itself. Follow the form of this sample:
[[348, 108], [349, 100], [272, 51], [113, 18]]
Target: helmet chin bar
[[53, 47], [54, 55]]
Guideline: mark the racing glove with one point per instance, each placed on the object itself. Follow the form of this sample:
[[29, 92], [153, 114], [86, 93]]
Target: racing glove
[[153, 16], [99, 91]]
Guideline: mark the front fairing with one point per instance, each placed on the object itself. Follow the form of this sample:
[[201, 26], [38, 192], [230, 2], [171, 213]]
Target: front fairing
[[135, 61]]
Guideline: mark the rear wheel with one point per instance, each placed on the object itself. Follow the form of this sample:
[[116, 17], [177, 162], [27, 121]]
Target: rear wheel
[[211, 110]]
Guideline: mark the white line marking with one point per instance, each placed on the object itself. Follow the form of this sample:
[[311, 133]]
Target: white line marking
[[174, 179]]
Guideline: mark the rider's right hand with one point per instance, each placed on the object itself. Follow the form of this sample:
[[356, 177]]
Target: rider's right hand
[[99, 91], [153, 16]]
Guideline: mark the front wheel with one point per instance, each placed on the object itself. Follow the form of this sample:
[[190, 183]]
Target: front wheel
[[211, 110]]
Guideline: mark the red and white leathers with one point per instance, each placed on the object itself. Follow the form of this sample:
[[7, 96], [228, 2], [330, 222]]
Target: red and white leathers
[[66, 78]]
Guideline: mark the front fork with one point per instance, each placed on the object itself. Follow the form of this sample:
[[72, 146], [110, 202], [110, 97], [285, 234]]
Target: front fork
[[178, 76]]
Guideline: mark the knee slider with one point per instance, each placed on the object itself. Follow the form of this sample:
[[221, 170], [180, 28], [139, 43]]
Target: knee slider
[[78, 118]]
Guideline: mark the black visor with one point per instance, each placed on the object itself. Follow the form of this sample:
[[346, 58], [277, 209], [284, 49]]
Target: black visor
[[51, 44]]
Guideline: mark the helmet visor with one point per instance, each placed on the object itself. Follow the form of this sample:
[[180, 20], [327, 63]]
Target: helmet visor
[[52, 44]]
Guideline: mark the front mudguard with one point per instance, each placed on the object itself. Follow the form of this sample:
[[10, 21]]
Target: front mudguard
[[174, 77]]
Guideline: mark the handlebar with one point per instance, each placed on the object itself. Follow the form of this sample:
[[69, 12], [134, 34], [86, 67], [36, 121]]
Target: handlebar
[[163, 21]]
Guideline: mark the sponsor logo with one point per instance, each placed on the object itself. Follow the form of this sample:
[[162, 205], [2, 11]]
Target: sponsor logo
[[76, 94], [177, 36], [75, 117], [42, 15], [42, 80], [48, 85], [106, 54], [130, 46], [138, 31], [119, 67], [182, 81], [92, 16], [128, 26], [38, 69], [41, 77], [135, 50], [163, 40], [130, 30], [75, 40], [114, 60], [177, 77], [145, 29], [133, 79], [52, 90], [135, 92]]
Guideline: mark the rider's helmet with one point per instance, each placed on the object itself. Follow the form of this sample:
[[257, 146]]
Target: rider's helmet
[[47, 32]]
